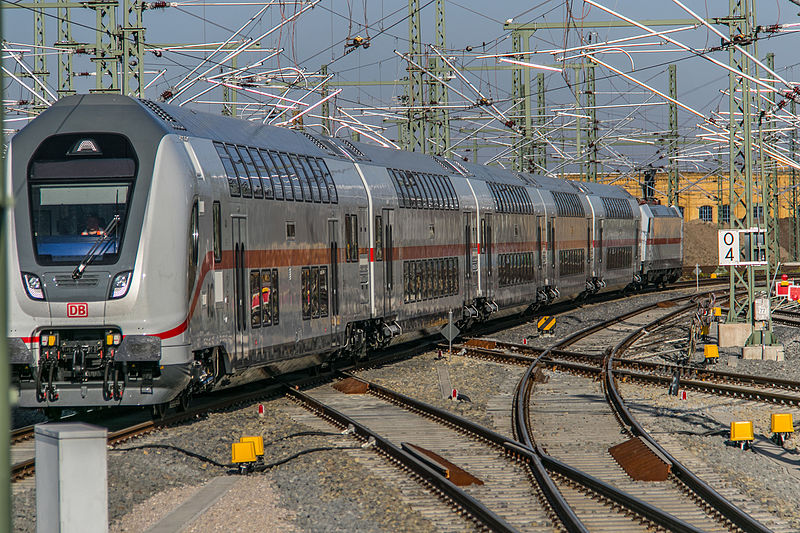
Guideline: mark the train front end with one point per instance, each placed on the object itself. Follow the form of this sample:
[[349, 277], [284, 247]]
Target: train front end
[[79, 330]]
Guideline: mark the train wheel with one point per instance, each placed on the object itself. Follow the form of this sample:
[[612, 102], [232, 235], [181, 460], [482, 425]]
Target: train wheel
[[160, 411], [184, 399], [53, 413]]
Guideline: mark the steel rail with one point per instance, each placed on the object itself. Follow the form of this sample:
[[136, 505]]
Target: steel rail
[[432, 477], [705, 491], [524, 434]]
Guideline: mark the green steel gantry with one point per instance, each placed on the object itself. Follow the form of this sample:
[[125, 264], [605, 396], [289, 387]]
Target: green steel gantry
[[743, 184]]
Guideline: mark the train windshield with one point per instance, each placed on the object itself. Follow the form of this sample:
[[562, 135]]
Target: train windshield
[[68, 219]]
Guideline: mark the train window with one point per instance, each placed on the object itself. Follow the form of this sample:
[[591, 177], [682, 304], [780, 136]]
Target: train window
[[305, 282], [418, 283], [401, 199], [216, 216], [266, 300], [274, 174], [275, 297], [440, 190], [314, 292], [351, 238], [294, 178], [406, 290], [255, 299], [323, 187], [407, 180], [291, 230], [429, 201], [422, 285], [261, 171], [449, 186], [230, 171], [302, 178], [420, 194], [312, 178], [323, 291], [329, 180], [252, 172], [378, 238], [438, 195], [283, 172], [195, 234], [241, 172]]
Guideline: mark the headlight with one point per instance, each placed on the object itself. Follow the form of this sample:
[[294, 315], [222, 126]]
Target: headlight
[[120, 284], [33, 286]]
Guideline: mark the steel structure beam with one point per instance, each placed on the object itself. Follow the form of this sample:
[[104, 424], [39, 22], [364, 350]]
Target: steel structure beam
[[592, 126], [769, 173], [521, 96], [66, 86], [414, 138], [540, 147], [107, 54], [672, 138], [39, 56], [794, 196], [439, 121], [741, 24], [132, 36]]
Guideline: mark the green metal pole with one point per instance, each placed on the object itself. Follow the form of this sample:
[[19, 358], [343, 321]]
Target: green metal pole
[[591, 131], [794, 213], [326, 108], [541, 146], [5, 372], [672, 140]]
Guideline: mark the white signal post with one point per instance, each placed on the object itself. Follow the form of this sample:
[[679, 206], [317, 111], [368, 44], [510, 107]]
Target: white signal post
[[728, 247]]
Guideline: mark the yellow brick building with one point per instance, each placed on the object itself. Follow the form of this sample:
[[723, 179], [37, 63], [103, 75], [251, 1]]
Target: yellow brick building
[[698, 193]]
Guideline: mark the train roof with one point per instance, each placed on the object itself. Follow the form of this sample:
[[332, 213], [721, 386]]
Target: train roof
[[153, 117]]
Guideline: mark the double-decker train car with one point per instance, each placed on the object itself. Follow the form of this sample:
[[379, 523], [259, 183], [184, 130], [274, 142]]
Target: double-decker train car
[[157, 251]]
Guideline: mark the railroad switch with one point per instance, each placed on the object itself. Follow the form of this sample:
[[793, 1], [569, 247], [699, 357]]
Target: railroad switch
[[546, 325], [742, 434], [247, 452], [781, 425], [711, 352]]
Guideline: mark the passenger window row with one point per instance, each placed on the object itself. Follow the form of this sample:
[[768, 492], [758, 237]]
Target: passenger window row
[[619, 257], [516, 268], [429, 279], [419, 190], [258, 173], [572, 262], [314, 282], [264, 302], [567, 204], [510, 198], [617, 208]]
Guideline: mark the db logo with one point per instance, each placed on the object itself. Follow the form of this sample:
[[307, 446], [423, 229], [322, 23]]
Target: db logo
[[80, 310]]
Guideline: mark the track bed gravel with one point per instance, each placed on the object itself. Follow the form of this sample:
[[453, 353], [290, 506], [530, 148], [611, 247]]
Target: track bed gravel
[[701, 425], [320, 491]]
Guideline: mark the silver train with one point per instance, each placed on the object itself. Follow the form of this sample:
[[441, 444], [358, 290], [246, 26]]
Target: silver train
[[157, 251]]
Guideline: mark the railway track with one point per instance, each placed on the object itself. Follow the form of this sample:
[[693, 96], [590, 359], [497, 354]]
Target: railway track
[[549, 510], [688, 499], [22, 450]]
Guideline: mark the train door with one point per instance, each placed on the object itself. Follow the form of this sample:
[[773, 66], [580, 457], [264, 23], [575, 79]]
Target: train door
[[550, 265], [468, 281], [333, 246], [387, 252], [241, 301], [489, 246], [541, 258]]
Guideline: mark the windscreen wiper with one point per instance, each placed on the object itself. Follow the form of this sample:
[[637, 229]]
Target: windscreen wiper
[[78, 272]]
